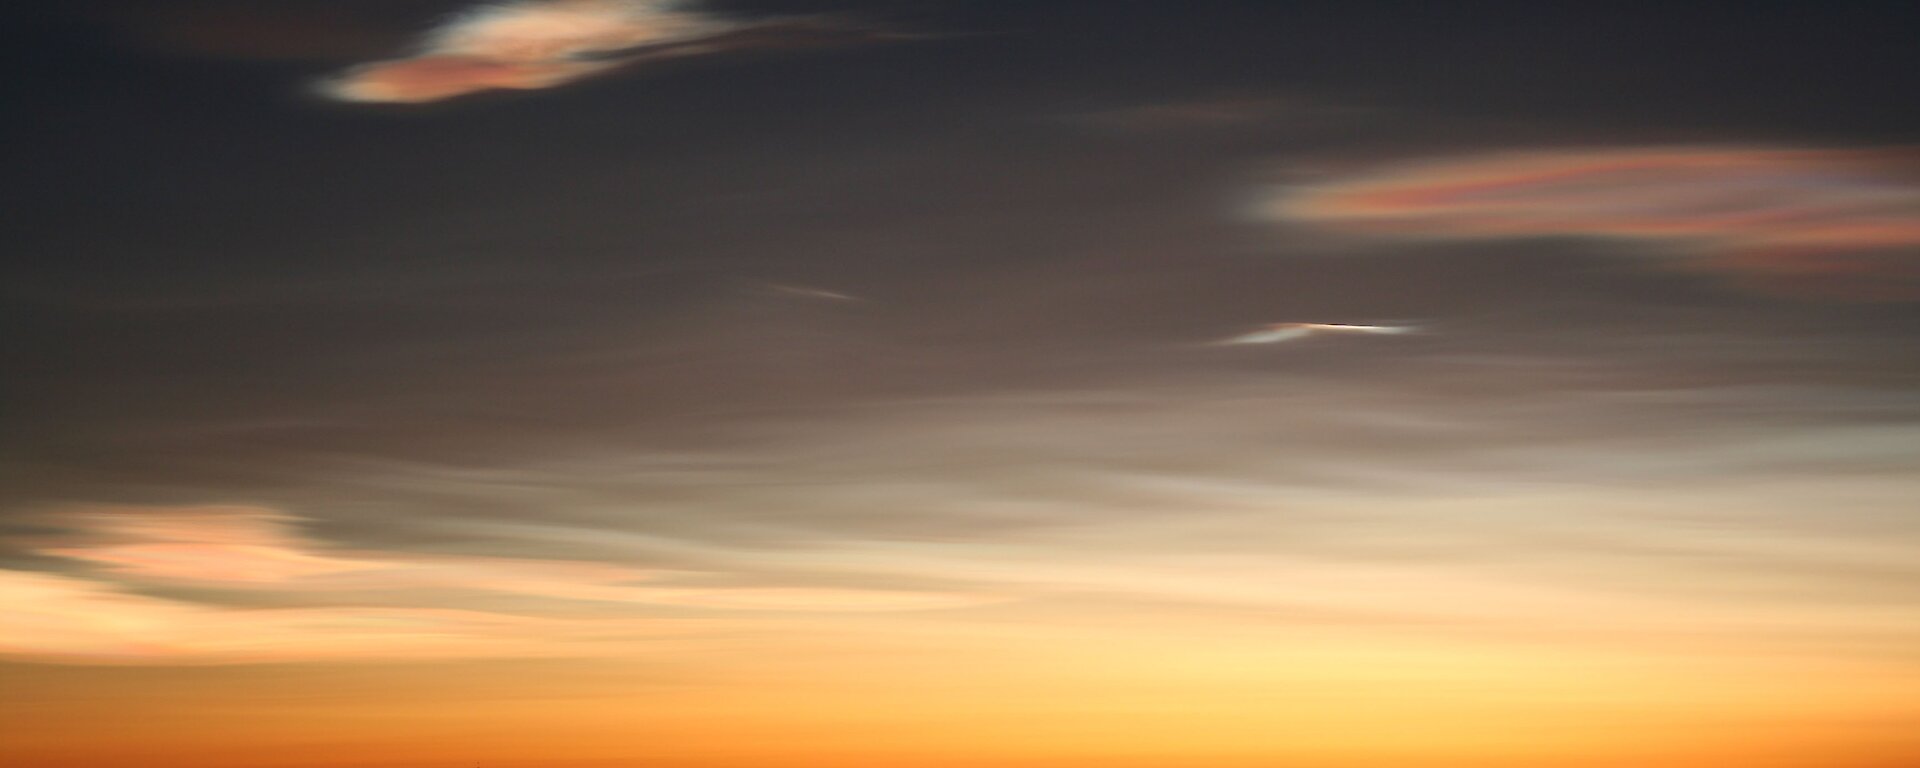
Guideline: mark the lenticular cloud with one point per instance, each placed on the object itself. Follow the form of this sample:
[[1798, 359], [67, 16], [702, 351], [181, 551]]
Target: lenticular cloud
[[536, 44], [558, 29], [522, 45]]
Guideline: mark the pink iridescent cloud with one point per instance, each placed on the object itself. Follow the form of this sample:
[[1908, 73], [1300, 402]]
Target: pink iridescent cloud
[[536, 44], [1833, 223]]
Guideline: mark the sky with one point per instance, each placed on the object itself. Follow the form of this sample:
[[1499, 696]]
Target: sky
[[956, 383]]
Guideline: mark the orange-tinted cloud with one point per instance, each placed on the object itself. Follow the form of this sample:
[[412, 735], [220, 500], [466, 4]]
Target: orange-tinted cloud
[[521, 45], [544, 30], [253, 548], [59, 618], [432, 78], [1835, 223], [68, 618], [534, 44]]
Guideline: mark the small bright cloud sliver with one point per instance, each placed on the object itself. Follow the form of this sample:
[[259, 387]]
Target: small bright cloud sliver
[[525, 45], [1283, 332]]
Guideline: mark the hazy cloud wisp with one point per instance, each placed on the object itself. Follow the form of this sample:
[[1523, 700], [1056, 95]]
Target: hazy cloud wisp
[[1827, 223], [64, 617]]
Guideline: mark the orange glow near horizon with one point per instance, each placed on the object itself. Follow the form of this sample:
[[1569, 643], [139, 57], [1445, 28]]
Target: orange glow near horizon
[[1230, 697], [1081, 680]]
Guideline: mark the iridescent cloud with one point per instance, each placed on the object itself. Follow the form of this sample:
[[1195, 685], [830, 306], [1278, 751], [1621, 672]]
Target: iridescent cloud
[[432, 78], [1835, 223], [534, 44]]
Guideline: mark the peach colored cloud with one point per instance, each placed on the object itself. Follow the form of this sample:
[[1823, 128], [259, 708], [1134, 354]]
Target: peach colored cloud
[[433, 78], [67, 618], [45, 617], [546, 30], [254, 548], [520, 45], [1837, 223], [535, 44]]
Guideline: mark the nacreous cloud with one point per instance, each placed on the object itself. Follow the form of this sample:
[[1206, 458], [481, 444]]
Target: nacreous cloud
[[534, 44], [432, 78], [1833, 223]]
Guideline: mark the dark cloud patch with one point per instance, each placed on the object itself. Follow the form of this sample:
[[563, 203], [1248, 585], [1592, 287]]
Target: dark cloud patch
[[289, 30]]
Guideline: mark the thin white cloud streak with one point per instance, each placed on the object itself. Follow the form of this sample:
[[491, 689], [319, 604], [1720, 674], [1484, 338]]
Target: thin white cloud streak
[[813, 293], [1282, 332]]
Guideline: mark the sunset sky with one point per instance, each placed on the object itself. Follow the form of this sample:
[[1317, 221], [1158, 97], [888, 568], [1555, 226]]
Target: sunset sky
[[840, 384]]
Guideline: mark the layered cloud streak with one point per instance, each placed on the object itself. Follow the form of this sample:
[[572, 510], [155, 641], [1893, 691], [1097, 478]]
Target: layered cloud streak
[[64, 619], [259, 551], [1833, 223]]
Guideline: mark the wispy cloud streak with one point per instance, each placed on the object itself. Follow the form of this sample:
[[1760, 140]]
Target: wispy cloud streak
[[46, 617], [251, 548], [53, 617], [1836, 223], [1283, 332]]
